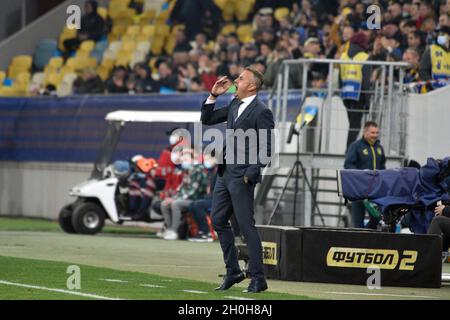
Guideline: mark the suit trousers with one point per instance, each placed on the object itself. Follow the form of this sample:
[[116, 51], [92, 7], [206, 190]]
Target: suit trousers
[[233, 195]]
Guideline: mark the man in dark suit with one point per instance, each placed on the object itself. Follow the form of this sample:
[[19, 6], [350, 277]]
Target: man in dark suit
[[234, 189]]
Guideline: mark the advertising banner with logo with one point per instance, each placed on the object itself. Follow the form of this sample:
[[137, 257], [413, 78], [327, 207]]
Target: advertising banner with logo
[[348, 256]]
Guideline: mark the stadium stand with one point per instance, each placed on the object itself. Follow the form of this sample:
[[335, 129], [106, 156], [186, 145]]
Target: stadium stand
[[146, 31]]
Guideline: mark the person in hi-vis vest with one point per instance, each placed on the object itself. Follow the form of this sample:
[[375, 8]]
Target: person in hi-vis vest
[[435, 63], [355, 82]]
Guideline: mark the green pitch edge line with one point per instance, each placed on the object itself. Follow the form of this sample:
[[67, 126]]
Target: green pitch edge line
[[30, 279]]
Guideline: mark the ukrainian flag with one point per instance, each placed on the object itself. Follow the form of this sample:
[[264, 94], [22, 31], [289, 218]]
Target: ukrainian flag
[[308, 115]]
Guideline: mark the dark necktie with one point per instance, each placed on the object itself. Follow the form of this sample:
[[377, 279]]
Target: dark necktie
[[236, 109]]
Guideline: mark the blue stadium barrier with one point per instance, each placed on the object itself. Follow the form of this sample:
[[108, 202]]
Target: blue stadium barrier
[[71, 129]]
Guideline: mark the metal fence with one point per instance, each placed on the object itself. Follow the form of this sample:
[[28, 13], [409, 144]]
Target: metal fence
[[387, 101]]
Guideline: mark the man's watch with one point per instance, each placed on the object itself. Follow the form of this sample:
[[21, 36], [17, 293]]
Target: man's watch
[[213, 95]]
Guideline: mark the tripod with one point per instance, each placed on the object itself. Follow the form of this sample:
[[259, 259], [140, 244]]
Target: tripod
[[298, 165]]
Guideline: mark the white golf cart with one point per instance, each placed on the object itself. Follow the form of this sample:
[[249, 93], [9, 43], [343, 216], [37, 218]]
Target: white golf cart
[[96, 199]]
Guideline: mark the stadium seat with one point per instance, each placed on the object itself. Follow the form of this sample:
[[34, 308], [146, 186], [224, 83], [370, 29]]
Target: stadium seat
[[66, 69], [155, 5], [170, 45], [163, 30], [65, 87], [122, 61], [66, 34], [103, 72], [228, 29], [77, 63], [21, 83], [8, 92], [133, 31], [228, 10], [19, 64], [128, 46], [147, 17], [148, 31], [52, 78], [87, 46], [2, 77], [115, 46], [108, 63], [56, 62], [244, 31], [242, 8], [221, 3], [143, 46], [137, 57], [281, 13], [103, 12], [157, 46], [38, 78]]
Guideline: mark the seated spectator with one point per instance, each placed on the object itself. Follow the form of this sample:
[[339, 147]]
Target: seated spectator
[[189, 79], [251, 53], [117, 82], [144, 80], [92, 27], [167, 81], [192, 188], [88, 83], [200, 43], [200, 208]]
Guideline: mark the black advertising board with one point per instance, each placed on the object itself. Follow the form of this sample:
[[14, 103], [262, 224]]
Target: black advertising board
[[341, 256], [344, 255]]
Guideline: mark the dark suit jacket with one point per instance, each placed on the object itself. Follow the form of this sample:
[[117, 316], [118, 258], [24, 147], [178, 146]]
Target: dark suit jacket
[[256, 116]]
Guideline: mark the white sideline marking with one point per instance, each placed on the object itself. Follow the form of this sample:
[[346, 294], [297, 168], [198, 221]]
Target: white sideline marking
[[195, 291], [114, 280], [166, 280], [384, 294], [151, 286], [75, 293], [238, 298]]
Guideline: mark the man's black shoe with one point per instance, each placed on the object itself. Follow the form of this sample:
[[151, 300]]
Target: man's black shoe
[[229, 281], [256, 285]]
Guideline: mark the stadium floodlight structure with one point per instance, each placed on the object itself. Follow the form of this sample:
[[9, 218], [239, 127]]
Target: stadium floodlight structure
[[96, 198]]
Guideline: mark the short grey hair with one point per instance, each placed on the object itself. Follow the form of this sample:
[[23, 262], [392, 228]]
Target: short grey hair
[[257, 76]]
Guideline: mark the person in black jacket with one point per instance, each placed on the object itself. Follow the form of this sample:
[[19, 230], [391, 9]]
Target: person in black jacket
[[88, 83], [365, 153], [440, 225], [237, 174], [92, 27]]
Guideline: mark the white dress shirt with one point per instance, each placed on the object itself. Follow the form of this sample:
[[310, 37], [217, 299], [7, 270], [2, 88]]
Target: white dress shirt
[[245, 103]]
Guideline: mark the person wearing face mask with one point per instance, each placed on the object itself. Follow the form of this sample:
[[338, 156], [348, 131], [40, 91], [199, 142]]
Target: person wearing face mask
[[200, 208], [193, 187], [435, 63], [168, 174]]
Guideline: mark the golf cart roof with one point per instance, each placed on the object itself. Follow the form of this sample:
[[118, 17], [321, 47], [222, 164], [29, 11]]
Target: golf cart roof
[[154, 116]]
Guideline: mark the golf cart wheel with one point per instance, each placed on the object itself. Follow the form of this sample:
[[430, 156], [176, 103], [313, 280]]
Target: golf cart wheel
[[65, 219], [88, 218]]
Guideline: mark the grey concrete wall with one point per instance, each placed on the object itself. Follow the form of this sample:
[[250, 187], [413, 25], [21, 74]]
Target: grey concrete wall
[[49, 26], [38, 189]]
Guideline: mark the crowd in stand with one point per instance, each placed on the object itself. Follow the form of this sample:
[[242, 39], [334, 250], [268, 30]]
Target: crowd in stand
[[311, 29]]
